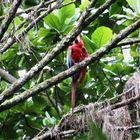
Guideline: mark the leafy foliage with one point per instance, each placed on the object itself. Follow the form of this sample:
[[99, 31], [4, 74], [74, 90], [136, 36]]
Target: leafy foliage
[[104, 78]]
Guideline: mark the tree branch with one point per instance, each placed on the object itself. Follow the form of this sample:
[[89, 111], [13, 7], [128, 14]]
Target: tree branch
[[108, 79], [130, 42], [5, 75], [9, 17], [64, 134], [128, 128], [58, 49], [63, 75], [111, 101]]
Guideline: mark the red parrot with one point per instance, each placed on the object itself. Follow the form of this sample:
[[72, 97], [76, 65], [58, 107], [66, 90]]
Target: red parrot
[[76, 53]]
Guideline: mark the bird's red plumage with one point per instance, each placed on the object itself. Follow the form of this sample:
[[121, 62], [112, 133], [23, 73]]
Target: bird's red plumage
[[77, 54]]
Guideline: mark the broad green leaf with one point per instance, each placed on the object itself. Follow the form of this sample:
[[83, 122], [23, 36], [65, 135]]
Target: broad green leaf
[[115, 9], [54, 113], [53, 22], [8, 54], [116, 68], [101, 36], [119, 69], [67, 29], [66, 12], [43, 32], [135, 5], [89, 44], [84, 4], [73, 18], [18, 21], [61, 20]]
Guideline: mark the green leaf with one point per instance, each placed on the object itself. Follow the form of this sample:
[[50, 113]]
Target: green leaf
[[95, 133], [115, 9], [84, 4], [48, 120], [18, 21], [101, 36], [66, 109], [66, 12], [43, 32], [117, 68], [53, 22], [54, 113], [39, 101], [135, 5], [57, 19], [7, 55], [30, 2], [67, 29], [89, 44], [73, 18]]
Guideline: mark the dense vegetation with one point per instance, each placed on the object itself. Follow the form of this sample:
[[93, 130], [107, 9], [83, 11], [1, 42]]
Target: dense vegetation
[[105, 78]]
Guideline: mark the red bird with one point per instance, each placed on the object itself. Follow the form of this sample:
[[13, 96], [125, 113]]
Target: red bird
[[76, 53]]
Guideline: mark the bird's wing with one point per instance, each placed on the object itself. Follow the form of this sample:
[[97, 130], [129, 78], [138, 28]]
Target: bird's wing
[[69, 63]]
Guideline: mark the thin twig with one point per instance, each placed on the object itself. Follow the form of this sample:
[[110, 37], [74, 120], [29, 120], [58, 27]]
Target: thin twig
[[109, 80], [53, 104], [127, 128], [130, 42]]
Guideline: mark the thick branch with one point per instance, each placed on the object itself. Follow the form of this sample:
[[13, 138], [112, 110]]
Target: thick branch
[[58, 49], [63, 75], [5, 75], [9, 17]]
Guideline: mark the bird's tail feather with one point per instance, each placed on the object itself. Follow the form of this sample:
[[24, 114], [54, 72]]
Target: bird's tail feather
[[82, 75], [73, 93]]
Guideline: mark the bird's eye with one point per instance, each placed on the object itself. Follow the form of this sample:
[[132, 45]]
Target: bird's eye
[[83, 50], [76, 41]]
